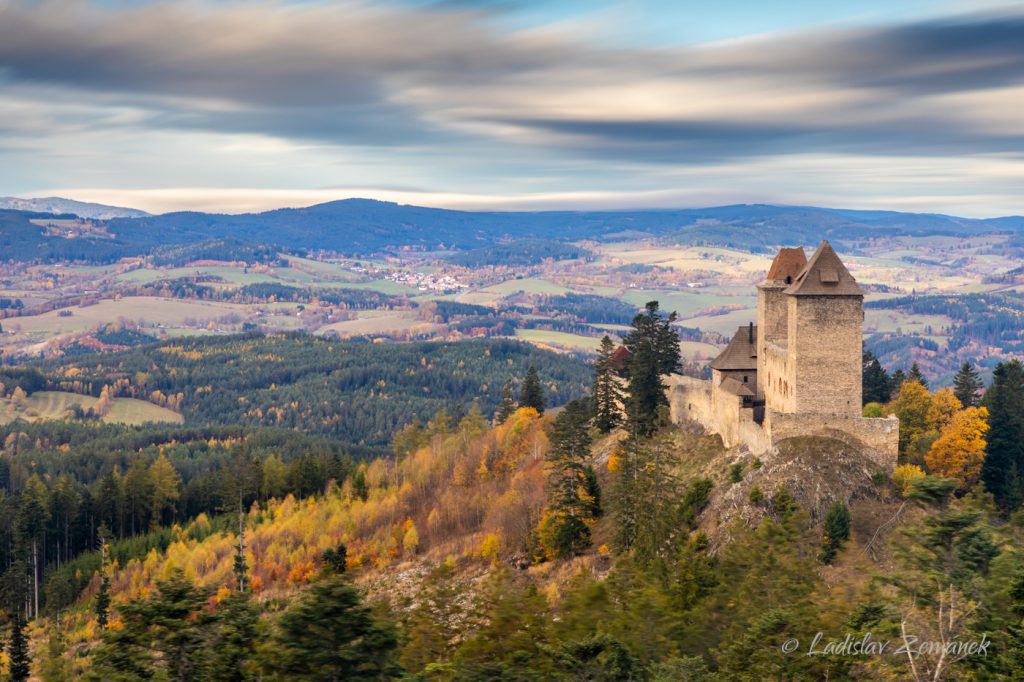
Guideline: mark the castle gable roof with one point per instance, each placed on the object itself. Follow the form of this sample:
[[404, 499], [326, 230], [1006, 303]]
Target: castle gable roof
[[825, 275], [735, 387], [741, 353], [787, 264]]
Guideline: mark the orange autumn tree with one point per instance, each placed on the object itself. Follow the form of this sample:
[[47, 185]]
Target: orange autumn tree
[[960, 450]]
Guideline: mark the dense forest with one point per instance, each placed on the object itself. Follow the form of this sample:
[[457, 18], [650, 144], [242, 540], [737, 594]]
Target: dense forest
[[518, 253], [360, 393], [228, 249], [597, 543]]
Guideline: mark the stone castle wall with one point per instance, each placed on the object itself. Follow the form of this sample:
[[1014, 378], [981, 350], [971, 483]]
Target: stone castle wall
[[876, 438], [778, 381], [772, 327], [722, 413], [825, 347]]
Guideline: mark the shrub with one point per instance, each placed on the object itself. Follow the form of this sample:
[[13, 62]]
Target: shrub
[[904, 476]]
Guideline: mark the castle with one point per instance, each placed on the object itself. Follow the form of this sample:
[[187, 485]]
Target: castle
[[797, 372]]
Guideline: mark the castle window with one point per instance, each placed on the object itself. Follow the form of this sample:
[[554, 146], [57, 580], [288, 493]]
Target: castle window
[[789, 279], [744, 378]]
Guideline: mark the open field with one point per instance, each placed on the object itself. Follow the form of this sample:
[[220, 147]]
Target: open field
[[58, 404], [559, 340], [895, 320], [372, 322], [154, 310]]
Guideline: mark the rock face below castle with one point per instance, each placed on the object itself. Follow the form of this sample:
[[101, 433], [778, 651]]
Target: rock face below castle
[[797, 372]]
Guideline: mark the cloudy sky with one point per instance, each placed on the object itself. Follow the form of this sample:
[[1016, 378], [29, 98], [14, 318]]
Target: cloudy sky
[[233, 106]]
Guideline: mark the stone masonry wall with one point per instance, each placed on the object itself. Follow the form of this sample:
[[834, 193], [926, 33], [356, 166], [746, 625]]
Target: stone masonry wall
[[825, 345], [879, 438], [772, 327], [778, 378]]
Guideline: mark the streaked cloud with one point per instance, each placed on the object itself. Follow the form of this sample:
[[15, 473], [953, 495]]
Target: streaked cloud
[[448, 98]]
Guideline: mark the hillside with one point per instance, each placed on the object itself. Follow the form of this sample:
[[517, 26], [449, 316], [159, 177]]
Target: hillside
[[60, 205], [360, 393], [432, 540], [57, 405], [363, 227], [357, 226]]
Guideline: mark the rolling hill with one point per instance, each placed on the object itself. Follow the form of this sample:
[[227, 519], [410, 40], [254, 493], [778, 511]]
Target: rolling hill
[[363, 226]]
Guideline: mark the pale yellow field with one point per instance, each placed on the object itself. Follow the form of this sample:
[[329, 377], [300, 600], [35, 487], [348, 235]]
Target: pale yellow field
[[382, 322], [57, 405], [549, 339], [153, 310]]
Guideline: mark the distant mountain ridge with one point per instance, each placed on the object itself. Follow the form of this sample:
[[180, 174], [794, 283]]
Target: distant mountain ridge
[[59, 206], [362, 227]]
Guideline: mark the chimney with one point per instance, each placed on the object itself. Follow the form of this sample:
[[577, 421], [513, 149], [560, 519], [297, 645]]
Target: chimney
[[750, 333]]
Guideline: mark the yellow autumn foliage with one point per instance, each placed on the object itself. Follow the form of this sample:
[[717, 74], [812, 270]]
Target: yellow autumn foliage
[[960, 451], [412, 507]]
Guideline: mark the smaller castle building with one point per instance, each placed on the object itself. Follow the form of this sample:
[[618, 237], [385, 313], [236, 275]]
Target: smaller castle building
[[797, 371]]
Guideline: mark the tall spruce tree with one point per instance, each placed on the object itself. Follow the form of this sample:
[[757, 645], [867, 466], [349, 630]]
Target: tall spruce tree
[[103, 595], [607, 392], [532, 393], [966, 385], [565, 530], [329, 635], [916, 375], [653, 347], [1003, 468], [508, 403], [231, 647], [162, 636], [18, 661], [837, 531], [896, 381], [876, 384]]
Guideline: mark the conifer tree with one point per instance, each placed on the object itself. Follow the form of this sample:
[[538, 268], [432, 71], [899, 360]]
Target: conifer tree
[[876, 384], [966, 385], [231, 648], [653, 353], [1003, 468], [508, 403], [607, 392], [565, 530], [329, 635], [917, 375], [532, 393], [837, 531], [646, 502], [896, 380], [17, 650], [103, 595], [1012, 657], [161, 637]]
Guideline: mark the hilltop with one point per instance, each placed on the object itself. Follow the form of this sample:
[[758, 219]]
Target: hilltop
[[361, 227], [60, 205]]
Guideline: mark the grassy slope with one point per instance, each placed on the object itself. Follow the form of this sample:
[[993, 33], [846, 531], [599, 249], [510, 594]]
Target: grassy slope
[[57, 404]]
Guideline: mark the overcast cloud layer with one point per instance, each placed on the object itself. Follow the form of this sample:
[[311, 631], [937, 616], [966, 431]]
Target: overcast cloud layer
[[211, 104]]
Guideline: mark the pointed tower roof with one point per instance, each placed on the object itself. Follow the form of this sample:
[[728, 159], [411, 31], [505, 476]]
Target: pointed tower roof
[[741, 353], [787, 265], [824, 275]]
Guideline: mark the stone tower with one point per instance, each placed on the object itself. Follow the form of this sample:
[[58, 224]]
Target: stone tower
[[825, 315], [773, 311]]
